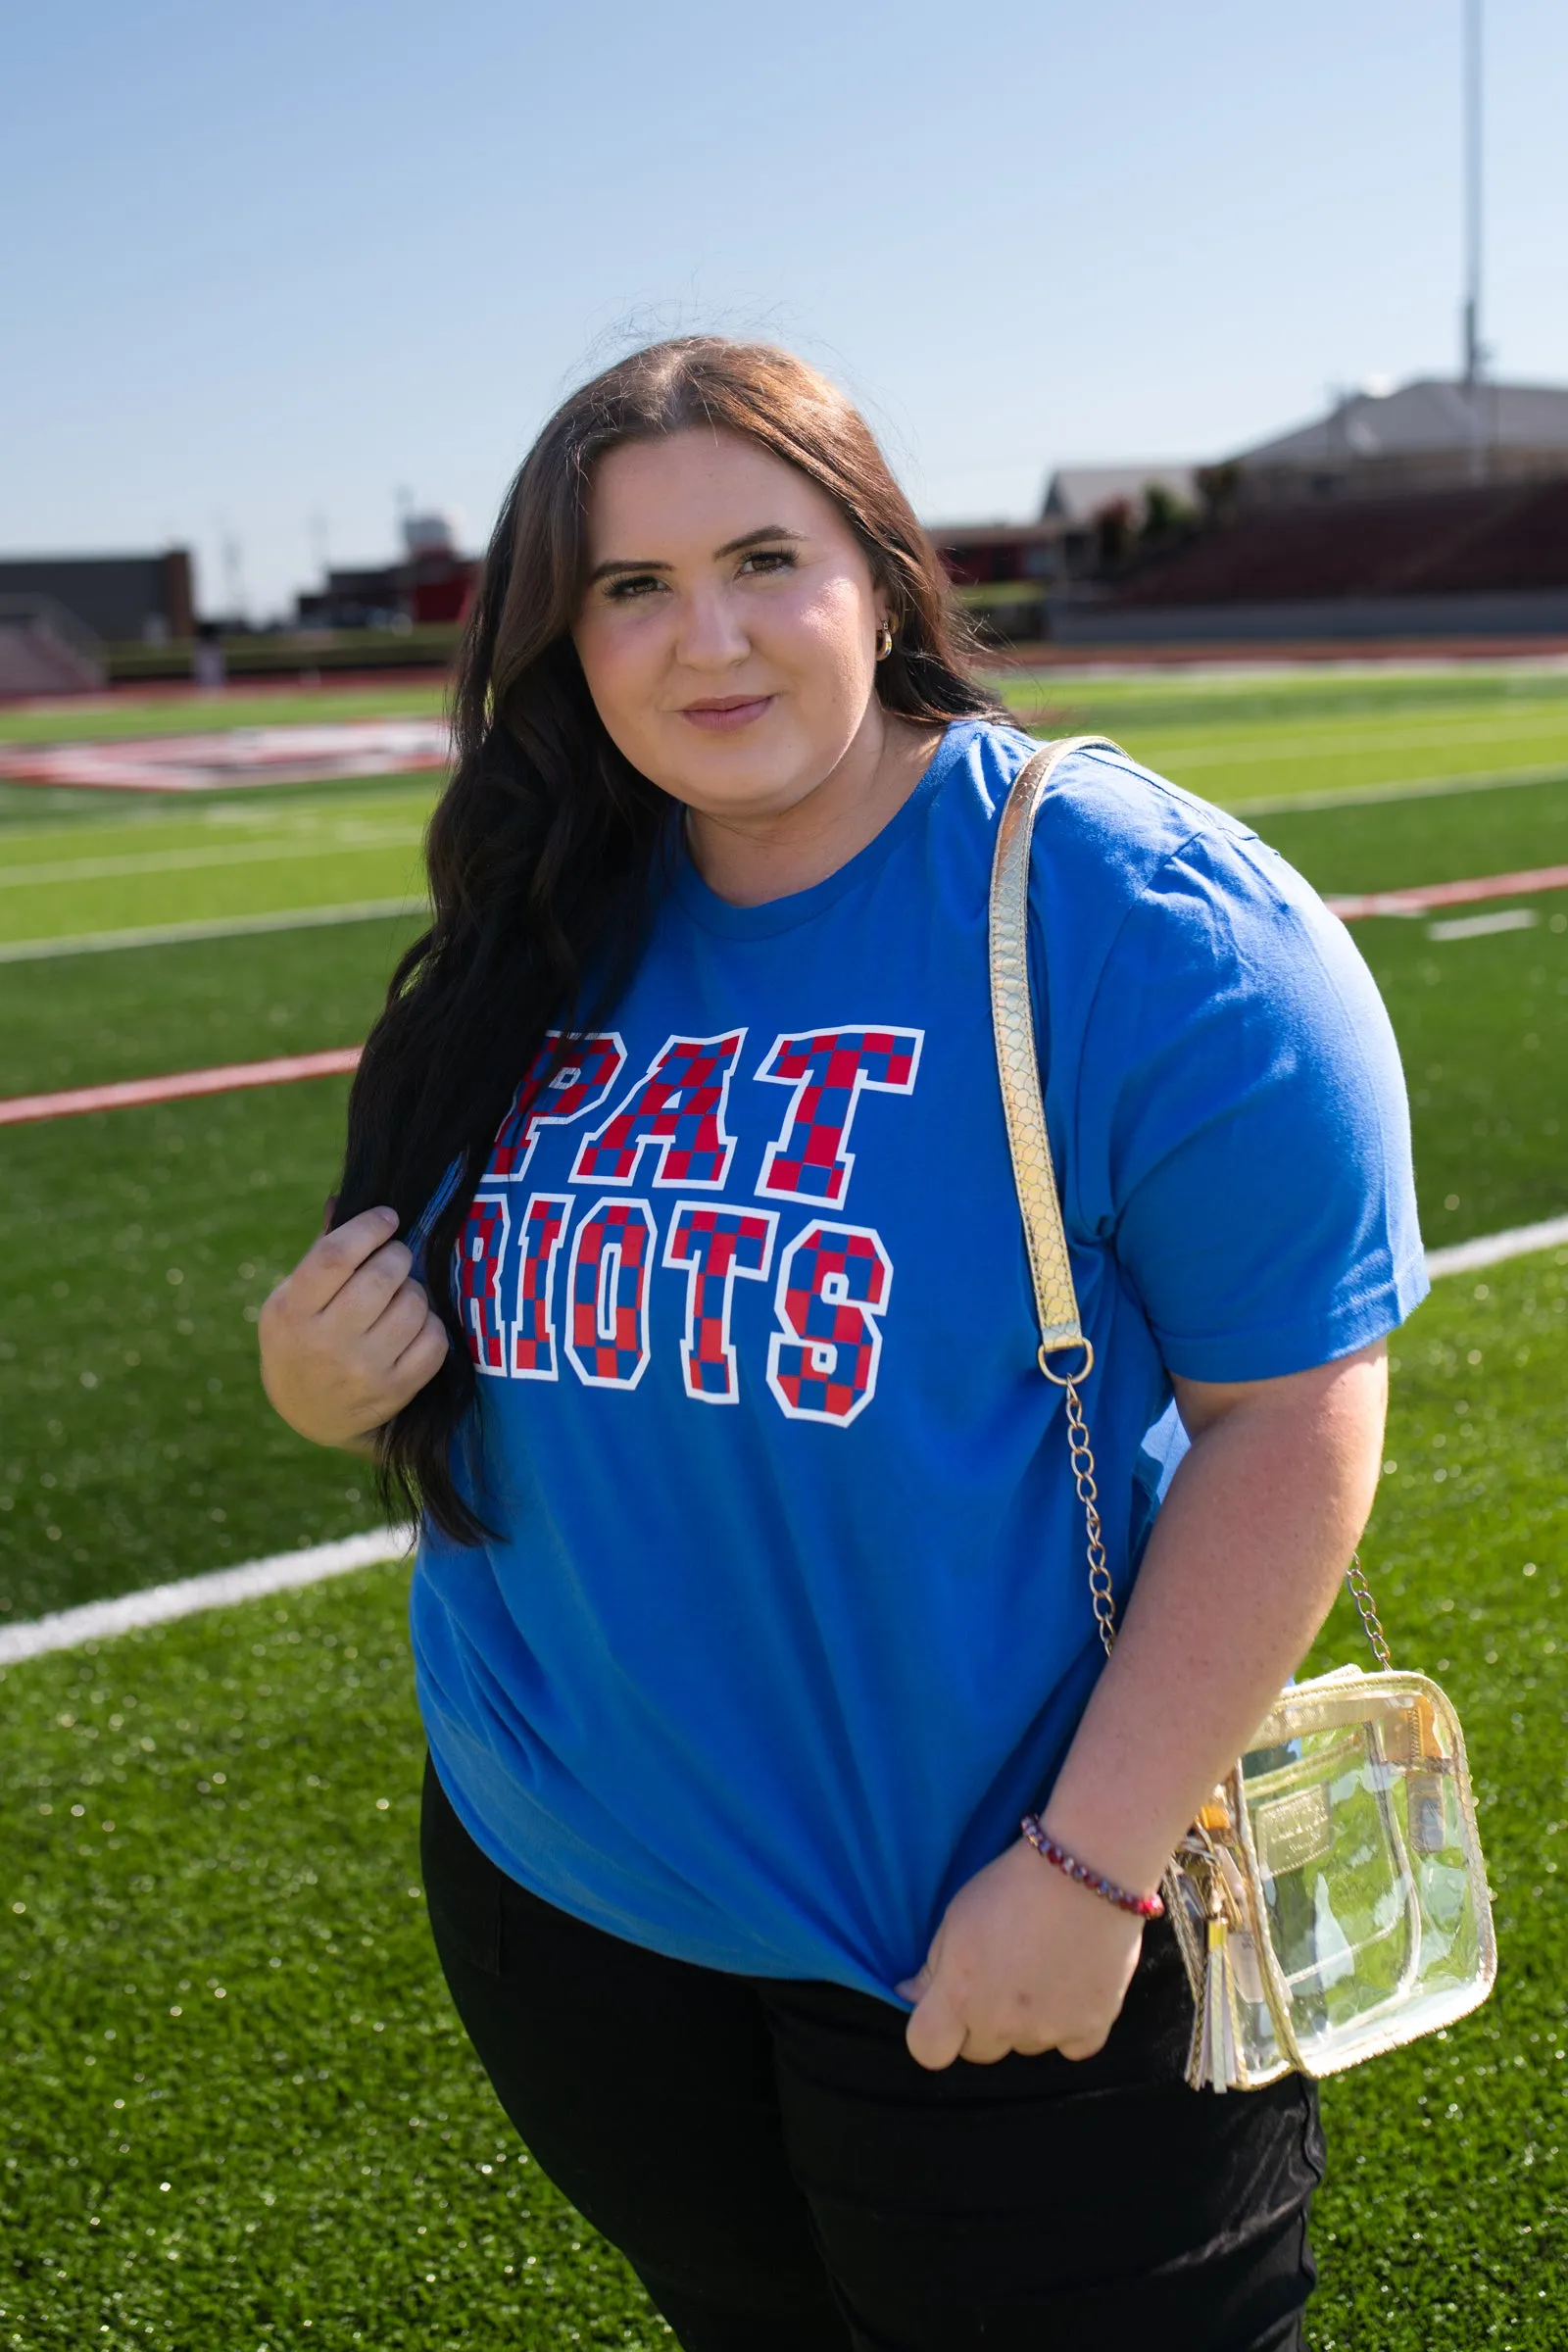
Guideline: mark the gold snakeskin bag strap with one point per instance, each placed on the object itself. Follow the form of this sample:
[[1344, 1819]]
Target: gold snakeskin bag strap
[[1012, 1020]]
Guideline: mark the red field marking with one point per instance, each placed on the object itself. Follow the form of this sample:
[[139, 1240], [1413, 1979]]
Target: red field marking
[[19, 1110], [322, 753], [1448, 894]]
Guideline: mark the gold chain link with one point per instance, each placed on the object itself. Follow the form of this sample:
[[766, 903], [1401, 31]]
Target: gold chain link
[[1361, 1594], [1101, 1593]]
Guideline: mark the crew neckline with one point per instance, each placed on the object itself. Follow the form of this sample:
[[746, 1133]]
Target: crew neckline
[[774, 915]]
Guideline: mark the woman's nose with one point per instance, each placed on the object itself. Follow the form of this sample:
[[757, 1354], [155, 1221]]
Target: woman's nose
[[711, 634]]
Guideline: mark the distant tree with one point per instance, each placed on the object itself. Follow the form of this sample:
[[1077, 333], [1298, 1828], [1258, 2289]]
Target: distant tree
[[1219, 488], [1164, 513], [1113, 530]]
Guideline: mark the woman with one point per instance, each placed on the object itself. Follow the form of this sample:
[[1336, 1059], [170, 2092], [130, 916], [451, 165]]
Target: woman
[[750, 1611]]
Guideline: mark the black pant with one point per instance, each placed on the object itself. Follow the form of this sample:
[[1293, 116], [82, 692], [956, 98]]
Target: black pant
[[783, 2177]]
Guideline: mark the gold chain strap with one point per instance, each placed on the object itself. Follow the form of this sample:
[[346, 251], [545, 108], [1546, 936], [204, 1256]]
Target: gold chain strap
[[1366, 1609], [1101, 1593], [1035, 1176]]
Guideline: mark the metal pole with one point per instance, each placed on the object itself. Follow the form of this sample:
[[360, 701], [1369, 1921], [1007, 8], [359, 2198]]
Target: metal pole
[[1473, 354]]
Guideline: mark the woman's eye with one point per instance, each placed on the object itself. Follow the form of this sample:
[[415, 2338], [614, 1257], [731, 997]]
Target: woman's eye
[[632, 584], [769, 559]]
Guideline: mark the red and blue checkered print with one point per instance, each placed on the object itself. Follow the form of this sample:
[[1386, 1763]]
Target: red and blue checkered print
[[833, 1283], [479, 1254], [608, 1294], [533, 1332], [555, 1100], [831, 1287], [678, 1112], [715, 1244], [829, 1069]]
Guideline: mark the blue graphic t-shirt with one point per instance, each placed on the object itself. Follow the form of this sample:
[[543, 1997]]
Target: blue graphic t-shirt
[[787, 1619]]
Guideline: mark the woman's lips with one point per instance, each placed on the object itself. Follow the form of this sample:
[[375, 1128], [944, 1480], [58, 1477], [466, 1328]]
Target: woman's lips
[[723, 718]]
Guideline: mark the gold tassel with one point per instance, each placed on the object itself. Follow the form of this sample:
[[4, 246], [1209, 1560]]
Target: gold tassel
[[1211, 2061]]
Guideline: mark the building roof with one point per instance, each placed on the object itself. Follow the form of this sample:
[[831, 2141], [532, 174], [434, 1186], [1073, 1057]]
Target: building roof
[[1078, 493], [1430, 415]]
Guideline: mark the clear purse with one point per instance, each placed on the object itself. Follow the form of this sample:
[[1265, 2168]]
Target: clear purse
[[1330, 1901]]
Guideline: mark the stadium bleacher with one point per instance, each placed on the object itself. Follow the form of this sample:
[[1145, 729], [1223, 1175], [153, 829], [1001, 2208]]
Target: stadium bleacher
[[1449, 542]]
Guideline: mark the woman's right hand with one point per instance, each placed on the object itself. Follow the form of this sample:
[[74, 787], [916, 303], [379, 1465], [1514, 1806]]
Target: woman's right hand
[[347, 1339]]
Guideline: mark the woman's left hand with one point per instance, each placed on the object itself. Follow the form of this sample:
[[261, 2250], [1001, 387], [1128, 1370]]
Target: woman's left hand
[[1024, 1960]]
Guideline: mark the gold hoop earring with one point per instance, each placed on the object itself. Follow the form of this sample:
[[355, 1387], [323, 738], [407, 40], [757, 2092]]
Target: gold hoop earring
[[884, 641]]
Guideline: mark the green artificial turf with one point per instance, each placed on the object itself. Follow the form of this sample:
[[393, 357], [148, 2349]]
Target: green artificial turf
[[1445, 2213], [1240, 737], [100, 719], [240, 2113], [26, 808], [135, 1250], [1482, 1031], [1200, 694], [1482, 1022], [216, 1976], [82, 1021], [226, 857], [1398, 844]]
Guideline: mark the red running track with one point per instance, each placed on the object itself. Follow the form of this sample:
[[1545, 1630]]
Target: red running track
[[1448, 894], [176, 1086]]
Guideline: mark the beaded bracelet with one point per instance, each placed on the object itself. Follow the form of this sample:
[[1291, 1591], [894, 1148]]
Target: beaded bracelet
[[1142, 1906]]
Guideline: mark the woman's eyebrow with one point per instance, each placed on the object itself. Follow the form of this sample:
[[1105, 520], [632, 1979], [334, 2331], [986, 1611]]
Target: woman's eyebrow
[[769, 531], [601, 571]]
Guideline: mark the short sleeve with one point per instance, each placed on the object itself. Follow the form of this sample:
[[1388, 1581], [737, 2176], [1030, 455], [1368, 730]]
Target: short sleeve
[[1241, 1099]]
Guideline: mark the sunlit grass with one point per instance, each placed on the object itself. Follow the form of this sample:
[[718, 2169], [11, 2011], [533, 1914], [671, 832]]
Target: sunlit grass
[[136, 1248], [216, 1974], [240, 2111], [255, 854], [1243, 738], [99, 718]]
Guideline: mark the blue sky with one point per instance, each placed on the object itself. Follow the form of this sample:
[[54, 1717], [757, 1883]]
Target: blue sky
[[267, 267]]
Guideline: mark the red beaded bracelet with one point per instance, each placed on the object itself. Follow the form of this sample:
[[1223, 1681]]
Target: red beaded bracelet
[[1142, 1906]]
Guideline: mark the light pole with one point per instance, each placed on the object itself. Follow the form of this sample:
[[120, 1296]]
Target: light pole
[[1474, 354]]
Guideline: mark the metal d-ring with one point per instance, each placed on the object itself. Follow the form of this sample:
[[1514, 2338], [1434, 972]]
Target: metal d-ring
[[1065, 1379]]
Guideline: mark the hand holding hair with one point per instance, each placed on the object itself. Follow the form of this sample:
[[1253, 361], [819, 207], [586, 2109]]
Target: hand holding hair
[[349, 1337]]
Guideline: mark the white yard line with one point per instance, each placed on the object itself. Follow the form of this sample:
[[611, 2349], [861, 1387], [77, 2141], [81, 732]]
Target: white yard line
[[336, 841], [1267, 749], [287, 1571], [284, 1571], [1491, 1248], [228, 926], [1412, 788]]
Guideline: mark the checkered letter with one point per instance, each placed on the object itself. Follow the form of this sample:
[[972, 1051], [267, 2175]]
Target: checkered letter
[[833, 1286], [479, 1254], [675, 1112], [554, 1099], [714, 1245], [607, 1293], [533, 1329], [828, 1070]]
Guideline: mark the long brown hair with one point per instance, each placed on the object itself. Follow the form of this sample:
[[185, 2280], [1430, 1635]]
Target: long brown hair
[[542, 848]]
